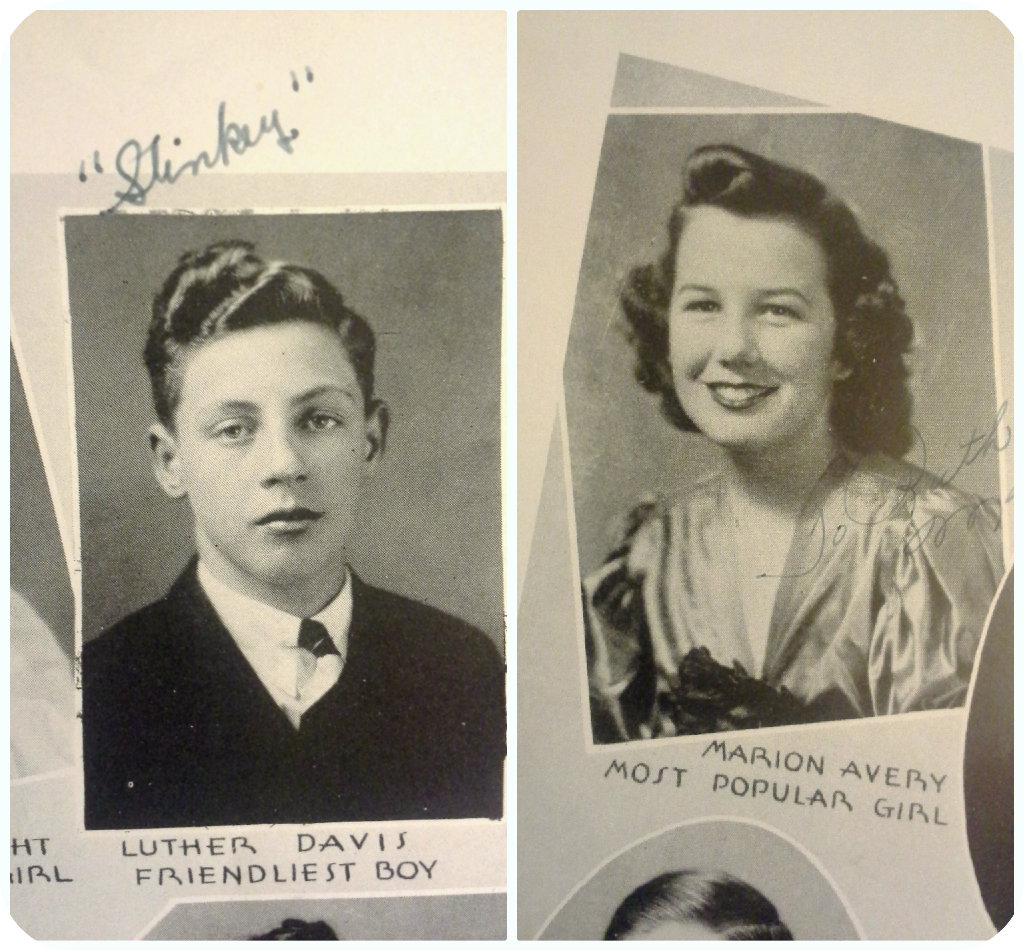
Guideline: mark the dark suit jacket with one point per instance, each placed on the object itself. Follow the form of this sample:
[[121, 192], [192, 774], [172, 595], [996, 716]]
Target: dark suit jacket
[[179, 731]]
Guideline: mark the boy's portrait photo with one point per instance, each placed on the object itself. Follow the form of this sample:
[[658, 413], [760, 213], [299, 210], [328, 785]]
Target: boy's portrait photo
[[299, 619]]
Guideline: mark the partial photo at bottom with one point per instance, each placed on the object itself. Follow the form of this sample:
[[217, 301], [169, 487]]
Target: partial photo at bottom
[[717, 880]]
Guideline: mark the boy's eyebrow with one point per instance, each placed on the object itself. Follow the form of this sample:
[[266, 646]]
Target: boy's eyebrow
[[229, 406], [245, 406], [316, 391]]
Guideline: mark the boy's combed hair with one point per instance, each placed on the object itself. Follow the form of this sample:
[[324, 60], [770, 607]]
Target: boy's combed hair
[[228, 287], [730, 907], [870, 409]]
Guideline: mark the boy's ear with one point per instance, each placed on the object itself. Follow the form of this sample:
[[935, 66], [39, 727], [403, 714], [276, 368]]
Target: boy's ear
[[377, 419], [166, 461]]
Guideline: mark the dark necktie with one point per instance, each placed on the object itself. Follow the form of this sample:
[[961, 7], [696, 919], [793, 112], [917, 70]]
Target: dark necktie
[[313, 637]]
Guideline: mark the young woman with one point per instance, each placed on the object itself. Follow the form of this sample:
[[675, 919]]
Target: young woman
[[817, 576]]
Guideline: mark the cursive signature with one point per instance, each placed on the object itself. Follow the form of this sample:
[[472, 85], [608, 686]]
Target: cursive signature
[[143, 167], [992, 440], [869, 500]]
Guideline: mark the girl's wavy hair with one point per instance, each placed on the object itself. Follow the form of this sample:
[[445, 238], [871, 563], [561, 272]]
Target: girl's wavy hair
[[228, 287], [730, 907], [870, 408]]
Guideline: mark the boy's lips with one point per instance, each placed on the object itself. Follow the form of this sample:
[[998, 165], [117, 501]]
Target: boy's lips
[[290, 517], [739, 395]]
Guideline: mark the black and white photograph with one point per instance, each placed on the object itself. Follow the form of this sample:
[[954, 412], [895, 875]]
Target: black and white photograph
[[783, 422], [706, 881], [288, 434], [458, 917]]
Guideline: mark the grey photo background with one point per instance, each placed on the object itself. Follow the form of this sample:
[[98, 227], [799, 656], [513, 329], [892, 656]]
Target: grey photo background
[[38, 568], [419, 917], [805, 901], [918, 194], [429, 283]]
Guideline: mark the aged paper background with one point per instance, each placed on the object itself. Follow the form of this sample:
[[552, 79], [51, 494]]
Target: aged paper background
[[391, 110], [890, 65]]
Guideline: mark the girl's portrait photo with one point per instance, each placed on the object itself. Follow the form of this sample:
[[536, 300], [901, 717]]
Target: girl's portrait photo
[[811, 528]]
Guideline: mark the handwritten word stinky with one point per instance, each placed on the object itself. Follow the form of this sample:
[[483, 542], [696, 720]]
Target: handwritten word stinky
[[144, 166]]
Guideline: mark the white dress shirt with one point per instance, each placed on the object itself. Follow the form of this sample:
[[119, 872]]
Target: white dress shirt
[[269, 640]]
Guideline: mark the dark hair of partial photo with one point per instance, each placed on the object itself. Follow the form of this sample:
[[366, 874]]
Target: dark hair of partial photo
[[988, 763], [732, 908], [295, 929], [227, 287], [870, 409]]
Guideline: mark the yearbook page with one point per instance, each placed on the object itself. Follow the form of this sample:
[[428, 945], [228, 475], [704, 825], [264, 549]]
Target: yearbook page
[[257, 588], [765, 476]]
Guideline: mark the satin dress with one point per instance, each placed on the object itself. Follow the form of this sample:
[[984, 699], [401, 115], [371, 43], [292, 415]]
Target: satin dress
[[879, 609]]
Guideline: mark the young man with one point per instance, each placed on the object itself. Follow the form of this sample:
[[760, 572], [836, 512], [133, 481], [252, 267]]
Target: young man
[[270, 684]]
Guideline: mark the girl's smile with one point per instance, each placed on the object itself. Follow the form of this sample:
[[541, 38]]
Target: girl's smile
[[738, 396]]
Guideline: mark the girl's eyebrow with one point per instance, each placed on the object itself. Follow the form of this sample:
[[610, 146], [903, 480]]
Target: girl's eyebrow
[[767, 292], [784, 291]]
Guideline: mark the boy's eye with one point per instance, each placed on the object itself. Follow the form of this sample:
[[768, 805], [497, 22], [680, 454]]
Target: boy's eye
[[232, 431], [320, 421]]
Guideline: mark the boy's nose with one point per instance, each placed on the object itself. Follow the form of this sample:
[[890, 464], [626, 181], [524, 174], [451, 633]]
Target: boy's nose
[[285, 461]]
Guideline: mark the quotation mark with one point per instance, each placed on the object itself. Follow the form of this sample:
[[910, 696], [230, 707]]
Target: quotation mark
[[295, 79], [95, 164]]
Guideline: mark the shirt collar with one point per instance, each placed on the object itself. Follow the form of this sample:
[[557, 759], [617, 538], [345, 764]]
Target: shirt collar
[[268, 637]]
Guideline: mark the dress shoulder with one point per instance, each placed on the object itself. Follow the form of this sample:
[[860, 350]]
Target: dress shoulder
[[642, 531], [616, 622], [917, 516], [937, 564], [879, 489]]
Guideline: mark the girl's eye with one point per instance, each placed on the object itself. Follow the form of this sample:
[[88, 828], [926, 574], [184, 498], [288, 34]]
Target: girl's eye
[[781, 312], [700, 306]]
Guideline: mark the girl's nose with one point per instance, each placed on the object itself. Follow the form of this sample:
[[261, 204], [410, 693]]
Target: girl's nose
[[735, 341]]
